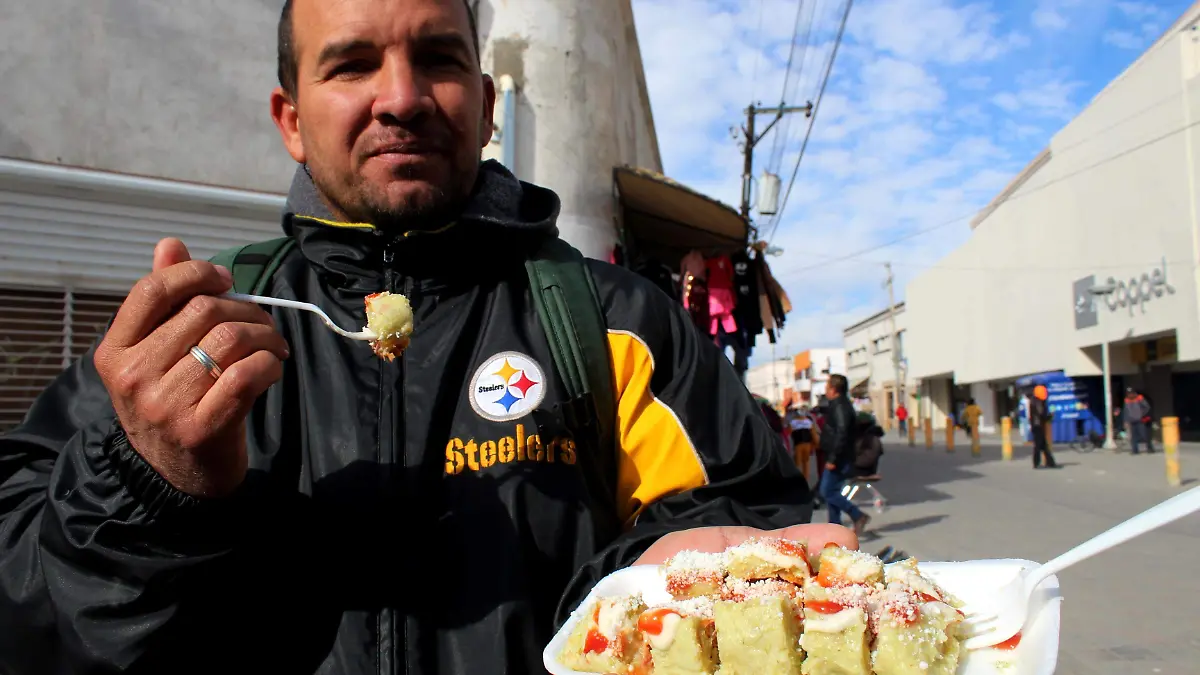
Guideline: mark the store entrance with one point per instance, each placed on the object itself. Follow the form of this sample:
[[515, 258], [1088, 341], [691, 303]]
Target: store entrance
[[1187, 404]]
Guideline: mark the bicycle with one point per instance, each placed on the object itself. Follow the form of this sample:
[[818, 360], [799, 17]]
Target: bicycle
[[1085, 441]]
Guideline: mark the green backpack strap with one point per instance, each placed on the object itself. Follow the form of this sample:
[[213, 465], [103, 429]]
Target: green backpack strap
[[252, 265], [569, 308]]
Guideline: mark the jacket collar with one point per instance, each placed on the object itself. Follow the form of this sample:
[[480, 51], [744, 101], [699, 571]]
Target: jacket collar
[[502, 220]]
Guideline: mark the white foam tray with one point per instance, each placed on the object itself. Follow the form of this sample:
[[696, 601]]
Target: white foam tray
[[1036, 655]]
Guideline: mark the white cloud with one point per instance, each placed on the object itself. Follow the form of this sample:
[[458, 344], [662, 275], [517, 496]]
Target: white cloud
[[1142, 11], [975, 82], [1123, 39], [1040, 94], [1048, 19], [1141, 23], [933, 30]]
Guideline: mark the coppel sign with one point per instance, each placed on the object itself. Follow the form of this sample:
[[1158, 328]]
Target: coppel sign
[[1137, 292]]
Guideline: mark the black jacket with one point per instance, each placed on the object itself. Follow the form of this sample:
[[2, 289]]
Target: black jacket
[[839, 438], [1039, 412], [398, 517]]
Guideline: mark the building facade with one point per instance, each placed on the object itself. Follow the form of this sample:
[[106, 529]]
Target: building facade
[[1087, 262], [773, 381], [875, 349], [128, 122], [812, 370]]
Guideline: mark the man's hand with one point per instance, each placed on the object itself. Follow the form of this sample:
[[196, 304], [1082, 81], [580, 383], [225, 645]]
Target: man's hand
[[830, 466], [717, 539], [189, 426]]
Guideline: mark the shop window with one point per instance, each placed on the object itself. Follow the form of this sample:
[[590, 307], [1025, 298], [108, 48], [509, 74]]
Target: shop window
[[41, 333]]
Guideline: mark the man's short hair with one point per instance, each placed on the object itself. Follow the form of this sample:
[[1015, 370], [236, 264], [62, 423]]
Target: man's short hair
[[838, 383], [287, 65]]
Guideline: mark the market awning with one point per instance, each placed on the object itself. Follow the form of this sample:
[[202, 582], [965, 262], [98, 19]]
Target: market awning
[[860, 388], [666, 219]]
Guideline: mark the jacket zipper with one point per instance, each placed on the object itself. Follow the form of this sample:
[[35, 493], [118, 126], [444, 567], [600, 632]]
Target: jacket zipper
[[386, 626]]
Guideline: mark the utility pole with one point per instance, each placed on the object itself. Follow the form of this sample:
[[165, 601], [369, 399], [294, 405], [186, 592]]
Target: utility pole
[[895, 338], [751, 140]]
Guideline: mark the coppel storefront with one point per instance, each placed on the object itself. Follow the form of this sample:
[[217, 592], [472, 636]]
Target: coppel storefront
[[1140, 320]]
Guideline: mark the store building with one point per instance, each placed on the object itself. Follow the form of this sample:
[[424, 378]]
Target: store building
[[1091, 252], [812, 370], [872, 348], [773, 382]]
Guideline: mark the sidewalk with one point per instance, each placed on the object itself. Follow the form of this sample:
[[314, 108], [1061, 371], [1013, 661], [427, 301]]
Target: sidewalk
[[1131, 610]]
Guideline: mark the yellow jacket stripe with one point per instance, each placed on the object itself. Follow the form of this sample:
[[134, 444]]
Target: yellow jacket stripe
[[656, 457]]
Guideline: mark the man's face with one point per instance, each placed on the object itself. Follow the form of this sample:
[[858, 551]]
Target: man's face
[[390, 111]]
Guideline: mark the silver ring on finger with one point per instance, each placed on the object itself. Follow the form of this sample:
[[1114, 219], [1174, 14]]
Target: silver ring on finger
[[207, 361]]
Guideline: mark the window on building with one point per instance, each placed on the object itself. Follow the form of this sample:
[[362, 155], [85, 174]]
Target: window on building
[[41, 333]]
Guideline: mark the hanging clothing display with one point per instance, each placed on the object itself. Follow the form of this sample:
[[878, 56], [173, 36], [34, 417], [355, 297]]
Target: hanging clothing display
[[746, 313], [732, 297], [695, 290], [660, 275], [773, 301], [721, 301]]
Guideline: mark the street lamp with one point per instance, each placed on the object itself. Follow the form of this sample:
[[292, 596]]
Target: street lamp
[[1109, 444]]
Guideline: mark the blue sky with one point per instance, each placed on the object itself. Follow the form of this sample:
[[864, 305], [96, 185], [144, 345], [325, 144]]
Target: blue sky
[[933, 106]]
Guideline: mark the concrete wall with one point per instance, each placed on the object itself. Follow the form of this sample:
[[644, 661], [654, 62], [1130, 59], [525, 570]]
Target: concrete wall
[[1115, 198], [583, 105], [168, 89], [770, 379]]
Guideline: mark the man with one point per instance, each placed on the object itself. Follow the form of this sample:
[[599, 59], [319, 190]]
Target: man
[[838, 444], [218, 489], [1039, 417], [1136, 412], [902, 418]]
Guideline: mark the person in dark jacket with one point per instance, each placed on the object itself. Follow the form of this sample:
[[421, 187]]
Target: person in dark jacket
[[216, 489], [839, 442], [1039, 420]]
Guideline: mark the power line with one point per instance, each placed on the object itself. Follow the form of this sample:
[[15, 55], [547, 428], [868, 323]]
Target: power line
[[813, 119], [757, 52], [1006, 200], [779, 143]]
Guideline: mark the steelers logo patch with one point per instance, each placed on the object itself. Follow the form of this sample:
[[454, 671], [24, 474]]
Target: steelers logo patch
[[506, 387]]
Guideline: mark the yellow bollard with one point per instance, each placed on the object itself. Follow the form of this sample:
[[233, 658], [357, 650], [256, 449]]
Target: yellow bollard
[[1005, 439], [949, 434], [928, 433], [975, 449], [1170, 437], [912, 432]]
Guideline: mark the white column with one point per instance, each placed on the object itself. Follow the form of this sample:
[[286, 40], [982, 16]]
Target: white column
[[1108, 400], [582, 107]]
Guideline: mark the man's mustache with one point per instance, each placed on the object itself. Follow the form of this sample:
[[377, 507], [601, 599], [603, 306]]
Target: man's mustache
[[425, 141]]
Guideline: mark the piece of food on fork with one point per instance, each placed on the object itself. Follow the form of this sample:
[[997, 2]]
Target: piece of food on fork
[[390, 318]]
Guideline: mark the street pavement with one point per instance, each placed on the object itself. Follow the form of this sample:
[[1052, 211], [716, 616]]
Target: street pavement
[[1133, 609]]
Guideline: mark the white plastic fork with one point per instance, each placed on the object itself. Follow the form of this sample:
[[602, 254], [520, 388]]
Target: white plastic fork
[[999, 621], [364, 334]]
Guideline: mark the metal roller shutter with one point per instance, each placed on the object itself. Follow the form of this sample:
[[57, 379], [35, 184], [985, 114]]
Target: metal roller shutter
[[41, 333]]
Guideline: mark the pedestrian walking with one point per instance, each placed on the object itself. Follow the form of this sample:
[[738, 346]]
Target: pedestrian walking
[[902, 418], [840, 443]]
